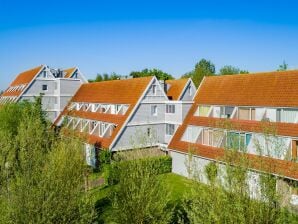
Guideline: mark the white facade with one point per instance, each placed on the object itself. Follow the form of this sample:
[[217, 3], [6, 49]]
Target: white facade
[[52, 86]]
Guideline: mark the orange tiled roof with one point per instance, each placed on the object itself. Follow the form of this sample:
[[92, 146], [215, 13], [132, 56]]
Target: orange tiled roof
[[176, 88], [260, 89], [23, 78], [126, 91], [116, 91], [69, 72]]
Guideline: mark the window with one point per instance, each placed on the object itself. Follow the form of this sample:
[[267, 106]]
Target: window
[[149, 132], [44, 87], [278, 115], [226, 112], [170, 129], [233, 140], [202, 111], [154, 110], [44, 74], [247, 139], [244, 114], [289, 115], [189, 91], [206, 137], [170, 109], [154, 89], [238, 141]]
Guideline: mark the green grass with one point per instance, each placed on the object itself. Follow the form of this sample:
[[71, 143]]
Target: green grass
[[178, 185], [96, 175]]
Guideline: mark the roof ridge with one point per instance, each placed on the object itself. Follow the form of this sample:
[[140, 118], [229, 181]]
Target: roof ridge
[[118, 80], [255, 73]]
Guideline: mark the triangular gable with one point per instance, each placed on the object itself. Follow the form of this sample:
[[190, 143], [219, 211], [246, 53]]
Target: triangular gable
[[45, 73], [188, 92], [155, 91], [75, 73]]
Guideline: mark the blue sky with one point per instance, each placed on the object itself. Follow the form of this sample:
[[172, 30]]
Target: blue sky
[[121, 36]]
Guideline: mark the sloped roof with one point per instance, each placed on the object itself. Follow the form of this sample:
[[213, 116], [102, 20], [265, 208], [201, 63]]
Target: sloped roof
[[176, 88], [277, 89], [261, 89], [23, 78], [115, 91], [69, 72], [127, 91]]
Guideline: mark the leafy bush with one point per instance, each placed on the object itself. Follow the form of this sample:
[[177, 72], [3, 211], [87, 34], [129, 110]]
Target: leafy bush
[[158, 165], [140, 195]]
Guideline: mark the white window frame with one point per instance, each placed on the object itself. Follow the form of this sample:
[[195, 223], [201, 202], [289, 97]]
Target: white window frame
[[170, 108], [170, 129], [43, 86], [154, 110]]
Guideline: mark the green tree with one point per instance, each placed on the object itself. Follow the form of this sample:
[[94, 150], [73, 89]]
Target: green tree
[[140, 196], [98, 78], [152, 72], [202, 68], [42, 174], [105, 77], [230, 70], [283, 67]]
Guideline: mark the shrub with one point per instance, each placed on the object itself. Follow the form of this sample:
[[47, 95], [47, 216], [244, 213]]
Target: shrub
[[158, 165]]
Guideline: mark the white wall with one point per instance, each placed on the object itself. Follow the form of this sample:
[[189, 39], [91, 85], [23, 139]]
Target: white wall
[[181, 164]]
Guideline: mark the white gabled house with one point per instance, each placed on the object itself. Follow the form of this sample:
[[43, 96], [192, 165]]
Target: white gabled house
[[56, 87], [124, 114]]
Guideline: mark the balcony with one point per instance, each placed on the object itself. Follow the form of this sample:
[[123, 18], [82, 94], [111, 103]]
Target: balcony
[[283, 115]]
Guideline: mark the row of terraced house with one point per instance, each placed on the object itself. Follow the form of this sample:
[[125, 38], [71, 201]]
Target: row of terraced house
[[256, 114]]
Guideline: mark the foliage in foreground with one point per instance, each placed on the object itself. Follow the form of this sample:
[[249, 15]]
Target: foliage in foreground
[[41, 174], [234, 193], [140, 196], [158, 165]]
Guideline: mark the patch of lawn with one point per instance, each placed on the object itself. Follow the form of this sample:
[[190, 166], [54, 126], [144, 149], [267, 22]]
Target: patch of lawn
[[178, 185]]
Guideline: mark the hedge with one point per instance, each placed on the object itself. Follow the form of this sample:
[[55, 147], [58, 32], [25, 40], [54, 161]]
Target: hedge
[[159, 165]]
